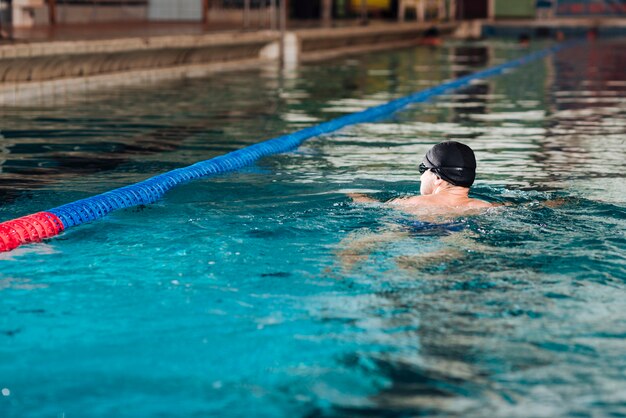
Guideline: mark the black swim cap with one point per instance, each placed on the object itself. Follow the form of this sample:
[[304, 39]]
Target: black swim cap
[[452, 161]]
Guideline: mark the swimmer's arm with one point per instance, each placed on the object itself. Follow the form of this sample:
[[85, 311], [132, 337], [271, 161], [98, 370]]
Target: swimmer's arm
[[401, 201], [555, 203], [361, 198]]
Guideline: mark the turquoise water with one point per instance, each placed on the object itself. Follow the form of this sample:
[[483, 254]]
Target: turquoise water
[[266, 292]]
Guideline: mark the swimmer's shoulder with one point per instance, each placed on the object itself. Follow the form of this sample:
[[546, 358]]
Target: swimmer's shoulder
[[432, 200], [479, 204]]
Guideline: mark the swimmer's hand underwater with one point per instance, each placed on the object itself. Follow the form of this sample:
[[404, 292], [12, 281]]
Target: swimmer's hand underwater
[[361, 198]]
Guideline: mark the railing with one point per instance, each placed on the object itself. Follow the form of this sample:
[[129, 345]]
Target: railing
[[250, 14], [87, 11]]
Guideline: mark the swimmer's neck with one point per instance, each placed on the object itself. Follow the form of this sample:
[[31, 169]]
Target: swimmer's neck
[[450, 191], [448, 195]]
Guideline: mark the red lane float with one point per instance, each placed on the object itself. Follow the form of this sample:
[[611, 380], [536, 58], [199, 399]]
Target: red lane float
[[31, 228]]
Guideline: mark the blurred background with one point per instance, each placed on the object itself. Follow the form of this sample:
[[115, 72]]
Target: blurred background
[[30, 18]]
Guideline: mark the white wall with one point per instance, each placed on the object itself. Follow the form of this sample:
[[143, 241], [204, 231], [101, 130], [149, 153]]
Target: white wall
[[190, 10], [24, 12]]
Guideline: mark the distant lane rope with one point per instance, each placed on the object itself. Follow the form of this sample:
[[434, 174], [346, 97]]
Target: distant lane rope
[[44, 225]]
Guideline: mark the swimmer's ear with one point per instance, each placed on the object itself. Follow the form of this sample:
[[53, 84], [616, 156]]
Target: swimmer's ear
[[438, 180]]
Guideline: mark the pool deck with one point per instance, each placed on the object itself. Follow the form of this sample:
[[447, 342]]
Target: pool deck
[[40, 63]]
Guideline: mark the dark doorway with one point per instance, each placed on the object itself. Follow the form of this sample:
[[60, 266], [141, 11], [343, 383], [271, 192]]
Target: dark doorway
[[306, 9], [6, 11], [472, 9]]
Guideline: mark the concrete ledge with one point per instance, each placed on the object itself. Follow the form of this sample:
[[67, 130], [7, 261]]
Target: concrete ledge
[[155, 43], [321, 55], [49, 91], [49, 67], [315, 40]]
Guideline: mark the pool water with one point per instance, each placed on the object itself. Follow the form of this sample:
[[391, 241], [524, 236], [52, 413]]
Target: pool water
[[267, 292]]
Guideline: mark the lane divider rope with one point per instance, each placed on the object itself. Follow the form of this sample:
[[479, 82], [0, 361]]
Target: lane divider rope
[[44, 225]]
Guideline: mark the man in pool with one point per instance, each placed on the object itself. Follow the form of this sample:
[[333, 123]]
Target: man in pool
[[447, 172]]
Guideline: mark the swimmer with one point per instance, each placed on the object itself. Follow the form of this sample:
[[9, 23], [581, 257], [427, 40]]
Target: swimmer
[[592, 34], [560, 36], [431, 37], [447, 172], [523, 40]]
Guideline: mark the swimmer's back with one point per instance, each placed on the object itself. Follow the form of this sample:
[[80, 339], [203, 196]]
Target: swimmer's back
[[436, 201]]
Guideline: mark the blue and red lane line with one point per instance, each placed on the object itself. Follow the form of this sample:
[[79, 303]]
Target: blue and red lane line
[[44, 225]]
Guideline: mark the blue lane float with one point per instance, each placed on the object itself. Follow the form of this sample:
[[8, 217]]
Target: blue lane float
[[12, 233]]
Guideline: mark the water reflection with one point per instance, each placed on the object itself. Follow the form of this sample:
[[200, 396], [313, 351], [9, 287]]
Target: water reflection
[[120, 137], [473, 100], [584, 143]]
